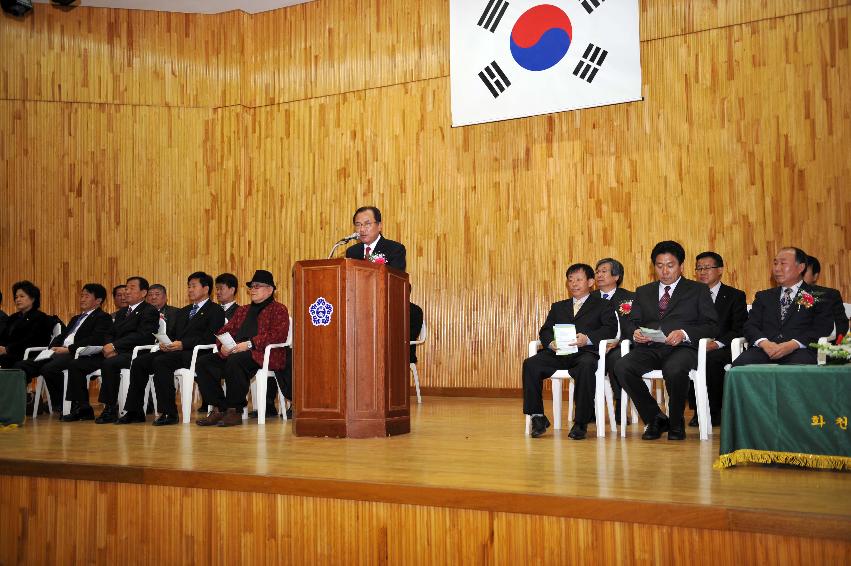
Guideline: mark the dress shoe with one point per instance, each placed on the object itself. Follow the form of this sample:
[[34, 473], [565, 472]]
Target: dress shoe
[[578, 431], [166, 419], [694, 422], [233, 417], [131, 417], [212, 419], [109, 415], [78, 414], [677, 433], [540, 425], [289, 413], [657, 426]]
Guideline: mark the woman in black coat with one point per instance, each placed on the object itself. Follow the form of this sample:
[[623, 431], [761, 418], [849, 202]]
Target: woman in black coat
[[26, 328]]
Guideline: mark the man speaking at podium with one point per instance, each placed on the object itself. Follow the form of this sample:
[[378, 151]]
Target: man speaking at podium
[[373, 246]]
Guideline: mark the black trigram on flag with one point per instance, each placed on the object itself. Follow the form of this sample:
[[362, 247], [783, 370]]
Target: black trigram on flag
[[591, 62], [493, 14], [591, 5], [494, 79]]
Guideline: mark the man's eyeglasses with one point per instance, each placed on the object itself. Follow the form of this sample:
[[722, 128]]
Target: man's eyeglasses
[[707, 268], [258, 286], [366, 225]]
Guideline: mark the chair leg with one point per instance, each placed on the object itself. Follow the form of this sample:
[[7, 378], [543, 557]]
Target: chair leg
[[123, 386], [416, 382], [556, 383], [66, 405], [187, 389], [281, 399], [262, 381], [570, 385], [610, 404], [624, 402], [599, 405], [153, 389], [528, 424], [39, 384]]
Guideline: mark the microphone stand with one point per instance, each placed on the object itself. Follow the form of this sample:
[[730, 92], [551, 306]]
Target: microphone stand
[[337, 245]]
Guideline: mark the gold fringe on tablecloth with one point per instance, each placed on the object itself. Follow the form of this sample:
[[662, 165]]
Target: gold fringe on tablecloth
[[820, 461]]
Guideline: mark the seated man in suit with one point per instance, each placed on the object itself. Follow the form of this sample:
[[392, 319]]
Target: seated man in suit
[[226, 284], [195, 324], [253, 327], [89, 328], [158, 298], [119, 297], [784, 320], [134, 325], [732, 308], [831, 296], [609, 276], [595, 320], [373, 245], [682, 309]]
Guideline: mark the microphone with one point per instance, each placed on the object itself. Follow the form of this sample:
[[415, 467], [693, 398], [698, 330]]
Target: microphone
[[353, 236]]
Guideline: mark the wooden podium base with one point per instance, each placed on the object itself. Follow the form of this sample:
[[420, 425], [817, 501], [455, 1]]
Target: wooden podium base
[[339, 428]]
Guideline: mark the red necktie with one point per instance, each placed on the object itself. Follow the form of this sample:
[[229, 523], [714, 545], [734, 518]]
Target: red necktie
[[366, 251], [663, 302]]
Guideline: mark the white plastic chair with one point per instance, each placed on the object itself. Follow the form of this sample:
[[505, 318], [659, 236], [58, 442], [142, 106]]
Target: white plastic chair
[[420, 339], [185, 381], [124, 383], [260, 382], [698, 377], [39, 381]]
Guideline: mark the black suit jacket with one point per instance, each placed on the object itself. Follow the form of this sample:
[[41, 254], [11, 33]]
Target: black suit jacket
[[595, 319], [834, 302], [138, 329], [731, 304], [806, 325], [93, 332], [24, 331], [416, 316], [690, 309], [201, 328], [169, 314], [230, 310], [393, 252]]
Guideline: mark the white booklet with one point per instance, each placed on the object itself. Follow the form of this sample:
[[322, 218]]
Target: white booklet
[[44, 354], [162, 338], [565, 336], [89, 350], [653, 334], [227, 341]]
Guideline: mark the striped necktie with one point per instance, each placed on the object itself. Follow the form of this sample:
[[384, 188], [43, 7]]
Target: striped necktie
[[663, 302]]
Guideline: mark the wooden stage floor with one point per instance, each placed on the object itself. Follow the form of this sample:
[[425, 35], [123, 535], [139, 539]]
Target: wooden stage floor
[[461, 452]]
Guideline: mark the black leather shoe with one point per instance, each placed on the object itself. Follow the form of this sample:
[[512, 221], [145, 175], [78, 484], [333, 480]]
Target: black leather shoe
[[677, 433], [131, 417], [78, 414], [578, 431], [655, 429], [289, 413], [166, 419], [540, 425], [109, 415], [693, 422]]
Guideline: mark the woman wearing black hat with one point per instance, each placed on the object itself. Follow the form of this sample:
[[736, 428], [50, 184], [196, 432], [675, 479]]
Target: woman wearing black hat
[[253, 327]]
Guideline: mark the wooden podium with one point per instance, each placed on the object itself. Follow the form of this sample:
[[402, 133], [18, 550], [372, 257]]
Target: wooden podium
[[350, 349]]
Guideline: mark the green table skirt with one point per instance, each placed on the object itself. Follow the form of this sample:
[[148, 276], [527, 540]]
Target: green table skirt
[[795, 415]]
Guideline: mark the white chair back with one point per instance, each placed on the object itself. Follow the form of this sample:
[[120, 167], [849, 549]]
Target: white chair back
[[847, 310]]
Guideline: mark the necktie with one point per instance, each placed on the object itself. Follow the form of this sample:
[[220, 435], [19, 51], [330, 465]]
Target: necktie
[[576, 306], [78, 323], [663, 302], [606, 296], [193, 311], [366, 251], [785, 303]]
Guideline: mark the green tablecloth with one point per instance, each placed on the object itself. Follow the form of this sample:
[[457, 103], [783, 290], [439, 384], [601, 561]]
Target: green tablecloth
[[787, 415]]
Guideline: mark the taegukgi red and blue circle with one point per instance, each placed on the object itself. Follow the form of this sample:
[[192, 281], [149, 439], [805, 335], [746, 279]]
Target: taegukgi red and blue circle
[[541, 37]]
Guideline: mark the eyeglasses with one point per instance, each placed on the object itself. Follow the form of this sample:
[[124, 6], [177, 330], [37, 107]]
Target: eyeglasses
[[258, 286], [366, 225], [707, 268]]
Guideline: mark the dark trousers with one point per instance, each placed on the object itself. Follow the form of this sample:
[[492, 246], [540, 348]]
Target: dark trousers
[[110, 369], [237, 371], [162, 365], [582, 366], [755, 355], [51, 369], [675, 363]]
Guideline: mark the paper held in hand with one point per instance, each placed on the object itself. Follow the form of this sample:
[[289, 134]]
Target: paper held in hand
[[163, 338], [227, 341], [89, 350], [565, 336], [44, 354], [653, 334]]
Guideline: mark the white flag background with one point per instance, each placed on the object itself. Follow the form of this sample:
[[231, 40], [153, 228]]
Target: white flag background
[[490, 81]]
